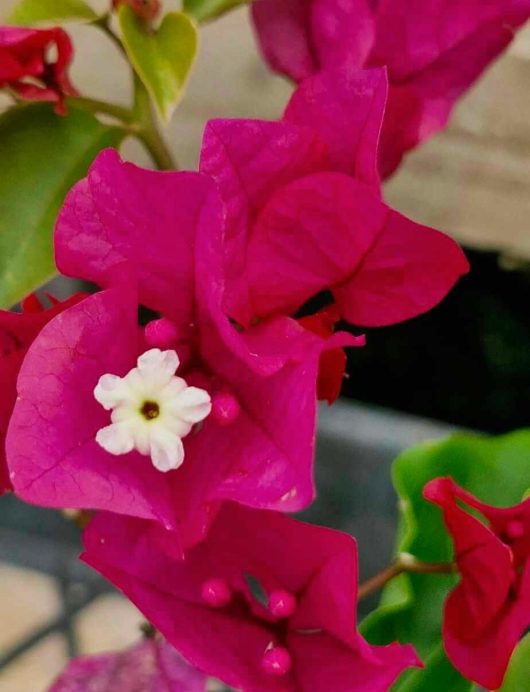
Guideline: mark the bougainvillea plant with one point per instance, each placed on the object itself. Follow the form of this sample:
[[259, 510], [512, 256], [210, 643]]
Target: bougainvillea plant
[[173, 402]]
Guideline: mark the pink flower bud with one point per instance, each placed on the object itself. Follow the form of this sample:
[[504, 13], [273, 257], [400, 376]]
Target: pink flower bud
[[225, 408], [160, 333], [276, 661], [216, 593], [282, 604], [515, 529]]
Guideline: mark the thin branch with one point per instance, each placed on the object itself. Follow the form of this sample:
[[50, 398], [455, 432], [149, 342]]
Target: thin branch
[[104, 24], [148, 131], [403, 563], [124, 115]]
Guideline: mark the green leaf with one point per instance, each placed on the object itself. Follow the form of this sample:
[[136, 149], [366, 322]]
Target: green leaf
[[43, 155], [29, 12], [203, 10], [161, 58], [518, 676], [493, 468], [438, 674]]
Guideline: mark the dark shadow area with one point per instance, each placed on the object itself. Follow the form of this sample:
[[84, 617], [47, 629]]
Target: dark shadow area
[[466, 362]]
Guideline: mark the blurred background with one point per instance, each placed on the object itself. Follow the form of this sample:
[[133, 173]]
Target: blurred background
[[466, 364]]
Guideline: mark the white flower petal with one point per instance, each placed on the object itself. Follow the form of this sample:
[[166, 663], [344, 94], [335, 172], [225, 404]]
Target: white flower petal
[[157, 365], [116, 438], [173, 388], [174, 423], [136, 382], [110, 391], [177, 408], [141, 434], [192, 405], [167, 450]]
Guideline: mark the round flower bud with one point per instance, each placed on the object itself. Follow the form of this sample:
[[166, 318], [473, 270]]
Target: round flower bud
[[216, 593], [225, 408], [282, 604], [276, 661], [160, 333]]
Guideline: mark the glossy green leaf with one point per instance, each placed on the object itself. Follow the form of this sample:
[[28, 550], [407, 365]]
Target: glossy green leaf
[[29, 12], [203, 10], [161, 58], [438, 674], [493, 468], [42, 156], [518, 676]]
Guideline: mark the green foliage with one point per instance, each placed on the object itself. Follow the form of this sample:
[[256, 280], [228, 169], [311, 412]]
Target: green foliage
[[493, 468], [43, 155], [518, 676], [162, 58], [438, 674], [29, 12], [203, 10]]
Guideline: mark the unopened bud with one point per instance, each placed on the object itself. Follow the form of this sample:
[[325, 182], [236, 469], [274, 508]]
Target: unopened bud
[[147, 10]]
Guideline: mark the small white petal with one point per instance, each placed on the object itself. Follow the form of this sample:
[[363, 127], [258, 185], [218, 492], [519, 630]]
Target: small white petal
[[141, 433], [110, 391], [158, 365], [167, 451], [136, 382], [173, 388], [193, 405], [159, 436], [116, 438]]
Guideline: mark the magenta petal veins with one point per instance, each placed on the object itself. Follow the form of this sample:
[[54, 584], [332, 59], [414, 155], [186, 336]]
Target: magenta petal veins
[[152, 410]]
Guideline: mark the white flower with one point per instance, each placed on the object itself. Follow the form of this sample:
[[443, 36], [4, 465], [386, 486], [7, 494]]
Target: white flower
[[152, 410]]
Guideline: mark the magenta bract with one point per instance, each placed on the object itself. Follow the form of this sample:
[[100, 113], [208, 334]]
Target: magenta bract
[[215, 606], [256, 446], [434, 51], [304, 215], [149, 666], [489, 611], [17, 332]]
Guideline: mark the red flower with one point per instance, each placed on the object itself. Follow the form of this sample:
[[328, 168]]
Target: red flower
[[489, 610], [27, 69], [332, 365], [17, 332]]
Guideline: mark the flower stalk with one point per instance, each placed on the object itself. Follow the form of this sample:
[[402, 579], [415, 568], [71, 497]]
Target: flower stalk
[[148, 131], [403, 563]]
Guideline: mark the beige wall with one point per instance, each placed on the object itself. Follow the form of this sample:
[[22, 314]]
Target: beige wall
[[472, 180]]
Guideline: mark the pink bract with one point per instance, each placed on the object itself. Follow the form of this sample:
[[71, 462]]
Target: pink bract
[[489, 611], [434, 51], [149, 666], [25, 69], [248, 556], [17, 332], [123, 222], [303, 217]]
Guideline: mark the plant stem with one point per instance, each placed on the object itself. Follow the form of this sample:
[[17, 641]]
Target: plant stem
[[124, 115], [156, 146], [148, 131], [140, 121], [104, 24], [403, 563]]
